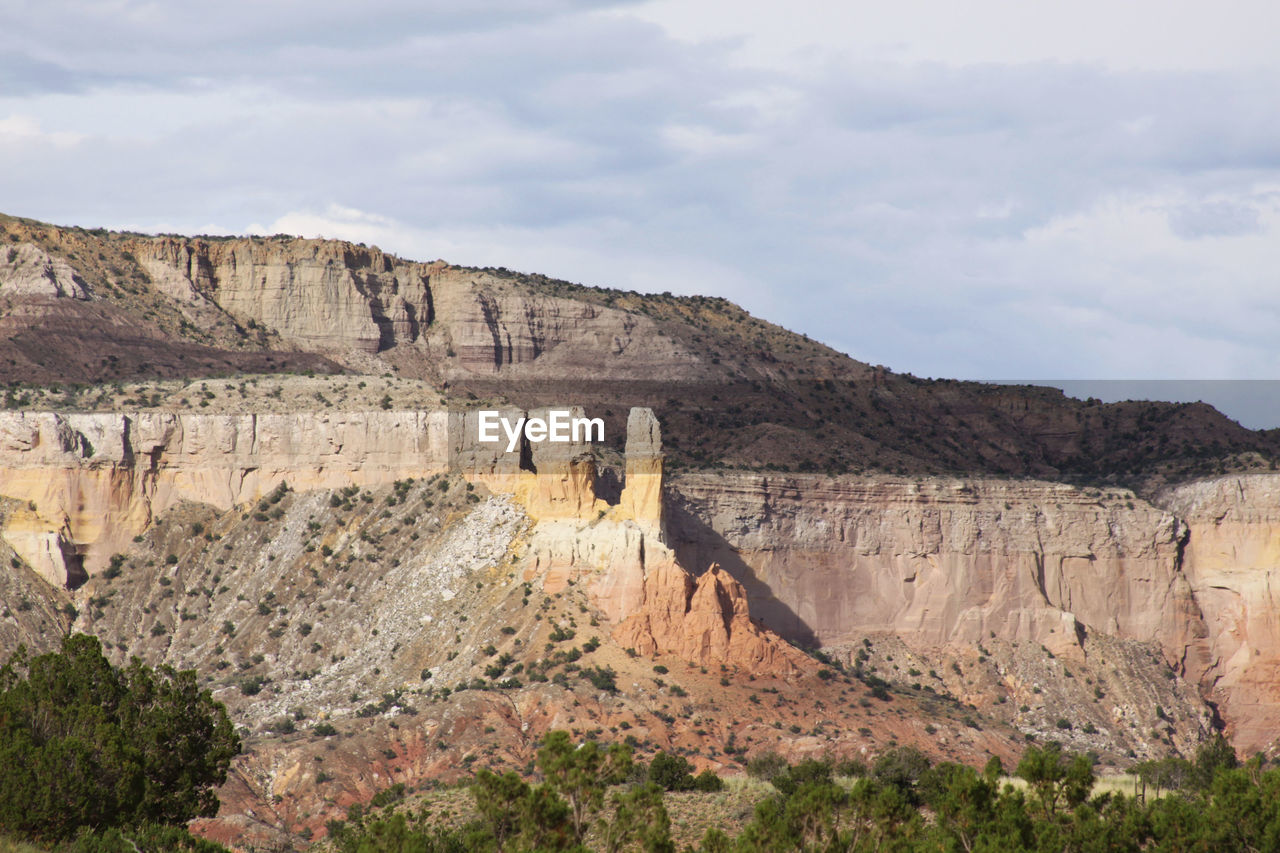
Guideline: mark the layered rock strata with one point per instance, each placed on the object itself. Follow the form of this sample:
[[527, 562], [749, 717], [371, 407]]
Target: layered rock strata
[[943, 563], [1232, 562], [338, 298], [657, 605], [28, 270], [89, 483], [85, 485]]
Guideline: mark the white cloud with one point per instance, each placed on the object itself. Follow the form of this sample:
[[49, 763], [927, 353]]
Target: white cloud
[[951, 189], [1134, 34], [23, 130]]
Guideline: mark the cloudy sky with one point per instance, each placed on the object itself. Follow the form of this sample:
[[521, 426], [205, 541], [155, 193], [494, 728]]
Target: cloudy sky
[[985, 189]]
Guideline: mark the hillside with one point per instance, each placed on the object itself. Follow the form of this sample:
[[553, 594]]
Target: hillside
[[90, 306], [259, 458]]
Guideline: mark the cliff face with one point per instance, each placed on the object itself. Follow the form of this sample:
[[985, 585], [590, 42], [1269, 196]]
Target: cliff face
[[92, 306], [89, 483], [317, 293], [954, 563], [938, 561], [347, 301], [28, 270], [939, 564], [620, 553], [1232, 562], [85, 485]]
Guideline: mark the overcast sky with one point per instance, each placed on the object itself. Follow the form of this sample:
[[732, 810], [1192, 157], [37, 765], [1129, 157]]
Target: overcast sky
[[982, 189]]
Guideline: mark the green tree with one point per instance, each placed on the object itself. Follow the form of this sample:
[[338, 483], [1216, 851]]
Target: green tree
[[819, 815], [963, 801], [500, 800], [1056, 779], [580, 774], [809, 771], [396, 834], [1244, 809], [671, 772], [517, 816], [85, 744], [640, 822], [148, 838], [1212, 756], [902, 767], [1111, 822], [1177, 824], [1166, 774]]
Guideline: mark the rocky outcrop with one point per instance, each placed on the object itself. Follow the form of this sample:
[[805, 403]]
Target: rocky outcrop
[[28, 270], [320, 294], [642, 497], [706, 620], [1232, 562], [941, 561], [657, 605], [85, 485], [496, 328], [552, 479], [91, 482], [952, 563], [347, 301], [88, 483]]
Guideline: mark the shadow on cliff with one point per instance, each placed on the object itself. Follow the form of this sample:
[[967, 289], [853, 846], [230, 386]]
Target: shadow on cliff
[[698, 545]]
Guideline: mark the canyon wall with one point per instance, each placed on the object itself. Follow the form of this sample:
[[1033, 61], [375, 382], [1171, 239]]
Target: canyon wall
[[620, 553], [350, 301], [822, 561], [950, 563], [939, 561], [88, 483], [1232, 562], [317, 293]]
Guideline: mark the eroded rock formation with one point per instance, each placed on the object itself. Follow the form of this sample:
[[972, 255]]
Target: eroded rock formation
[[824, 561], [952, 563], [621, 554], [939, 561], [28, 270], [89, 483], [1232, 563], [317, 293], [347, 301], [86, 484]]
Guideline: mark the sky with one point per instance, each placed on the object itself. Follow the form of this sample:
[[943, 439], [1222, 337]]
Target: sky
[[991, 189]]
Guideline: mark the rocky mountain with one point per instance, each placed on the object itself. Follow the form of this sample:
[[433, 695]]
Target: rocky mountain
[[261, 460], [90, 306]]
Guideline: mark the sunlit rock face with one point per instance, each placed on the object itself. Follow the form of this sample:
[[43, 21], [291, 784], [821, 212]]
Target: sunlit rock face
[[349, 301], [91, 482], [1232, 562], [821, 561]]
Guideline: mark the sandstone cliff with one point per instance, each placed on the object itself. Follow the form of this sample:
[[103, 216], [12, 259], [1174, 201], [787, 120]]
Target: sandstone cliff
[[939, 560], [90, 483], [317, 293], [347, 301], [728, 386], [1232, 562], [28, 270], [621, 554], [952, 563], [85, 485]]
